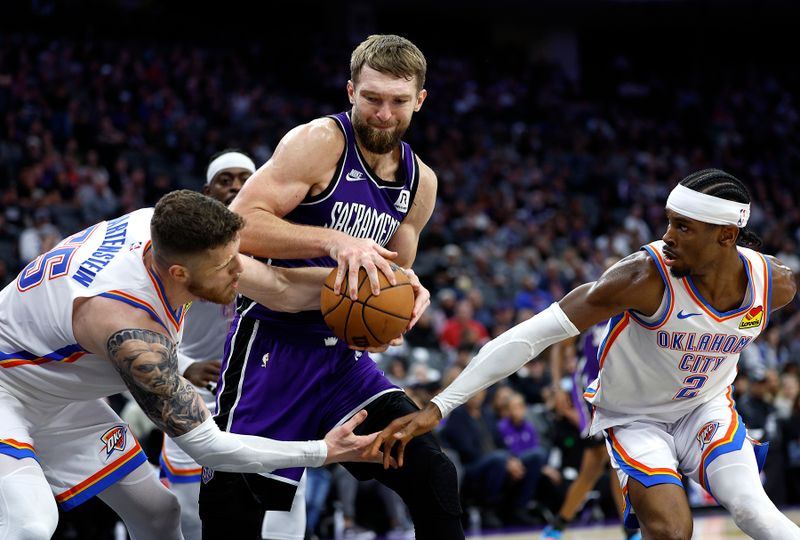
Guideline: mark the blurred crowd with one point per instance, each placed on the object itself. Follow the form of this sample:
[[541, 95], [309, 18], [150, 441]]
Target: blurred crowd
[[541, 180]]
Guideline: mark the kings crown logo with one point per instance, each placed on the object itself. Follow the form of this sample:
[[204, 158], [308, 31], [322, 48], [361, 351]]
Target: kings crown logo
[[752, 319], [114, 439]]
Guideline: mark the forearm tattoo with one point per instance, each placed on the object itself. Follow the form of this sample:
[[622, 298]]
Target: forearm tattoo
[[148, 364]]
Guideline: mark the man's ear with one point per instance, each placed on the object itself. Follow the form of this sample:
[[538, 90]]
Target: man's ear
[[728, 234], [179, 273], [421, 95]]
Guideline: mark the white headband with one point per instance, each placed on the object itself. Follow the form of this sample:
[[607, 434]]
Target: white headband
[[229, 160], [707, 208]]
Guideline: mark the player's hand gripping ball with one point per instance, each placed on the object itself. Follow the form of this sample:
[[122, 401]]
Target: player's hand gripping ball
[[370, 321]]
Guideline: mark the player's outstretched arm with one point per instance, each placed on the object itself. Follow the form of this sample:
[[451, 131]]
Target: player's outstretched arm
[[147, 362], [497, 359], [632, 283], [282, 289]]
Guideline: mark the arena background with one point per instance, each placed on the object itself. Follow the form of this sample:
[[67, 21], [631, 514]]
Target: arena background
[[556, 130]]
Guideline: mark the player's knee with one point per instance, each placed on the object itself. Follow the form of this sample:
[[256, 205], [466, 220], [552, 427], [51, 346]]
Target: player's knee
[[34, 530], [30, 524], [159, 511], [442, 480], [29, 509], [167, 513], [668, 530], [747, 511]]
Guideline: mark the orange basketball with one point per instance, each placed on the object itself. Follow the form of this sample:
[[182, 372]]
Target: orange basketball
[[370, 321]]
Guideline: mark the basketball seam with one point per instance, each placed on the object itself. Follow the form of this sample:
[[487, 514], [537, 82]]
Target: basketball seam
[[389, 313], [361, 283], [366, 325], [366, 300], [347, 322], [341, 299], [364, 304]]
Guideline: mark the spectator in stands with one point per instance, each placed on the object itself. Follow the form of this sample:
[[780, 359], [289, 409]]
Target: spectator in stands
[[39, 237], [787, 393], [533, 381], [790, 433], [501, 482], [513, 192], [462, 328]]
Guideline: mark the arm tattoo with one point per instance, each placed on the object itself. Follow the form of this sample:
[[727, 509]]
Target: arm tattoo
[[148, 364]]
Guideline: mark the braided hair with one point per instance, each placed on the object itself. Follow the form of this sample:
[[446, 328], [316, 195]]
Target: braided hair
[[720, 184]]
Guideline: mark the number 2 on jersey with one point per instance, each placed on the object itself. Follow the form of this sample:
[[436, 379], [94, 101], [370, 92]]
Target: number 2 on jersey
[[693, 385]]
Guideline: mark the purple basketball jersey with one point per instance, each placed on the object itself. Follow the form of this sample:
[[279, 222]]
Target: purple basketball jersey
[[285, 375], [356, 202]]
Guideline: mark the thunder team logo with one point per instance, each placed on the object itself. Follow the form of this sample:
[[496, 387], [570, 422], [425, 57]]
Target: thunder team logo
[[706, 433], [114, 439], [752, 319]]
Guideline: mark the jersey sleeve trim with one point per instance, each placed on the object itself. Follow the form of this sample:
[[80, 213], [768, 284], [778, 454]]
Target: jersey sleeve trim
[[615, 327], [767, 289], [17, 449], [135, 302], [67, 354], [663, 270], [337, 175]]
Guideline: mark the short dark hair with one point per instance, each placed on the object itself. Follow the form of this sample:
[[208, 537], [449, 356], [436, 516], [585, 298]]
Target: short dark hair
[[724, 185], [187, 223]]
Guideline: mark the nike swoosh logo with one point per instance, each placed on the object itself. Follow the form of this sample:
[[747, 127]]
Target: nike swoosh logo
[[355, 177], [682, 315]]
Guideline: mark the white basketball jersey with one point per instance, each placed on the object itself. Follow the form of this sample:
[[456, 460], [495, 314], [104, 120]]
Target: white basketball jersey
[[39, 356], [663, 366]]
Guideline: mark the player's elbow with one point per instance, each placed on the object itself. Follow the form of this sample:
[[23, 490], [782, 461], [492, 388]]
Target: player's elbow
[[792, 289]]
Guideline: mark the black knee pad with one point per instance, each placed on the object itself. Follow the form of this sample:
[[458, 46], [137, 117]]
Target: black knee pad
[[443, 481]]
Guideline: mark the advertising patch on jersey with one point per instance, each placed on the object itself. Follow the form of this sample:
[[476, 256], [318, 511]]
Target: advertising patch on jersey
[[114, 440], [706, 433], [401, 204], [752, 319]]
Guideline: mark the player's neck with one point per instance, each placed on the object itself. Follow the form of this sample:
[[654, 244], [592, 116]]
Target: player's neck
[[724, 283], [176, 293], [384, 165]]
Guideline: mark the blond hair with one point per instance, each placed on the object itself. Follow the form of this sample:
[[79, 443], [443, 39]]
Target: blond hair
[[392, 54]]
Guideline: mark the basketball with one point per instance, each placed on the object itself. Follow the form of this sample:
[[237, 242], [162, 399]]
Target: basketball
[[370, 321]]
